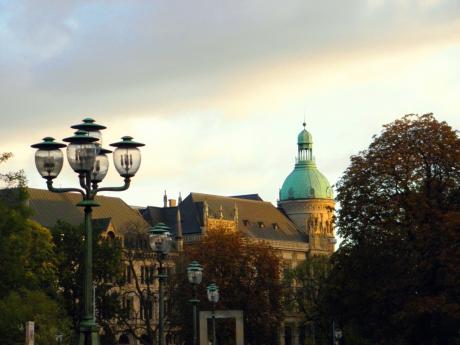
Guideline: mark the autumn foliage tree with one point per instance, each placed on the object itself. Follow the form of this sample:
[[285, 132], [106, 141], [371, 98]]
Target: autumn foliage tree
[[396, 276], [248, 276]]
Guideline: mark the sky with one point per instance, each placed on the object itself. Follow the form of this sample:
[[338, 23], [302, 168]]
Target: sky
[[217, 89]]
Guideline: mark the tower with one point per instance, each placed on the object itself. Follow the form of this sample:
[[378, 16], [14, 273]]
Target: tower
[[306, 198]]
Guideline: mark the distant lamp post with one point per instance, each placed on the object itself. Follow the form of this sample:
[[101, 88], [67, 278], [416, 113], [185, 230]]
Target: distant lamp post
[[195, 275], [59, 337], [160, 241], [89, 160], [213, 296], [336, 334]]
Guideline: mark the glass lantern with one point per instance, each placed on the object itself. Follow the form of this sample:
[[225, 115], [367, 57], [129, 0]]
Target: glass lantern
[[213, 293], [160, 239], [127, 156], [49, 158], [81, 152], [92, 128], [101, 166], [194, 273]]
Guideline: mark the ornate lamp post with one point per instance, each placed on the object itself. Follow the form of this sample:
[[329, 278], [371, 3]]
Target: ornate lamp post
[[160, 241], [89, 160], [213, 296], [195, 275]]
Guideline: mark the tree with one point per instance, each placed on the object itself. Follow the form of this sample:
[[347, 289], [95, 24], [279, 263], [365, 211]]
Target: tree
[[107, 270], [27, 269], [139, 285], [303, 285], [248, 276], [395, 278]]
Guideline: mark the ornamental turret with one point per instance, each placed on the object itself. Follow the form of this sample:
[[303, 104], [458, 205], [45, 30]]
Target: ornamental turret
[[307, 199]]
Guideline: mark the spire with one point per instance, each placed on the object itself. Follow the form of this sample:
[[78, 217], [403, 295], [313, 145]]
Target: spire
[[179, 234], [179, 200], [205, 214], [165, 200], [206, 208], [235, 213], [178, 224], [221, 212]]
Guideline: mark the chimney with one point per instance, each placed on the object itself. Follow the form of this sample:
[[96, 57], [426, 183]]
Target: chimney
[[172, 203]]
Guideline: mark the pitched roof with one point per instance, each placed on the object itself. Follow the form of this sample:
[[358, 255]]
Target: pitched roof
[[256, 218], [254, 196], [49, 207]]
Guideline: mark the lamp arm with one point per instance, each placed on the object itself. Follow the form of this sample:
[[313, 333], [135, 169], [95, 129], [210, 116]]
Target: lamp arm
[[81, 178], [49, 184], [114, 189]]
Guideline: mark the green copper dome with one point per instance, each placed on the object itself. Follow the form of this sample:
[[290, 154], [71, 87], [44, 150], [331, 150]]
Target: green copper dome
[[305, 181]]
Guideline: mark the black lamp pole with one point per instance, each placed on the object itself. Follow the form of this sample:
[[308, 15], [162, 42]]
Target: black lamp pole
[[160, 241], [213, 296], [195, 275]]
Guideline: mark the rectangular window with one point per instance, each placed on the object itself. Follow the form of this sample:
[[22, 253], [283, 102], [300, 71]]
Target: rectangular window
[[128, 305], [128, 274], [142, 275], [150, 307]]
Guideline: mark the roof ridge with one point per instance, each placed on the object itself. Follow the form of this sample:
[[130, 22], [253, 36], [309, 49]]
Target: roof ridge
[[231, 197]]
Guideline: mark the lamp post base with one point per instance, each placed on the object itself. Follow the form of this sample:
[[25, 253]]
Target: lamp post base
[[89, 333]]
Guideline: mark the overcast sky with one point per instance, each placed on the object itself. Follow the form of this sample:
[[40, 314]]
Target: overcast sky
[[218, 90]]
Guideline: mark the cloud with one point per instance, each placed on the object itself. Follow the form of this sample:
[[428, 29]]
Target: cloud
[[158, 57], [217, 90]]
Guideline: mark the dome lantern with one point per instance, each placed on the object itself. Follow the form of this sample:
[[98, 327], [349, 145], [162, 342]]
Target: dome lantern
[[305, 145]]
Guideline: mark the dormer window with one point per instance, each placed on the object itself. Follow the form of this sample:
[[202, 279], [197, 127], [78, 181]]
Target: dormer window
[[275, 226], [261, 224], [246, 222]]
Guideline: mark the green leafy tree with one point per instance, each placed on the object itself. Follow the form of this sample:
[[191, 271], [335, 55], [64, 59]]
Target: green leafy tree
[[248, 276], [107, 270], [395, 279], [27, 268], [303, 285], [24, 305]]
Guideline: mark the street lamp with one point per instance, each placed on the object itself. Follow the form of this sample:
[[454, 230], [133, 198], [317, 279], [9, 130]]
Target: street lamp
[[160, 241], [213, 296], [195, 275], [59, 337], [88, 159]]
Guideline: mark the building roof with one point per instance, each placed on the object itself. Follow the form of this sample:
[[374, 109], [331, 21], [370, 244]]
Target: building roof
[[248, 196], [305, 182], [256, 218], [49, 207]]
